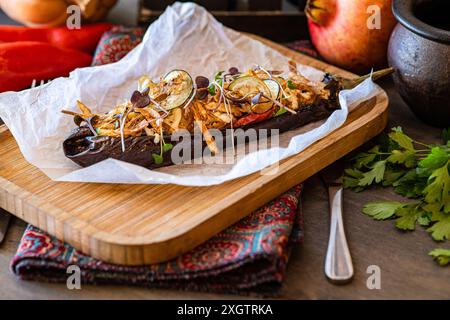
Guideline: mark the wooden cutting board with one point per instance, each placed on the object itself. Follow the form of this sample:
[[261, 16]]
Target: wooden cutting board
[[144, 224]]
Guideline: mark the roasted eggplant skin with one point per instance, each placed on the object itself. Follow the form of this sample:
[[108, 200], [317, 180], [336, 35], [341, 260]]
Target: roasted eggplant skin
[[139, 150], [86, 150]]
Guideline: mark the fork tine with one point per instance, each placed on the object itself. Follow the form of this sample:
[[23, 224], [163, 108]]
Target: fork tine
[[35, 84]]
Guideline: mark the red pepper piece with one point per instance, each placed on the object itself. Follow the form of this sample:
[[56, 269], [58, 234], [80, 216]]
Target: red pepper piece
[[21, 62], [253, 118], [84, 39]]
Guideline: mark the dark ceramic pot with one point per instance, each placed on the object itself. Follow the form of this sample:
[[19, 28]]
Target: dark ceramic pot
[[419, 50]]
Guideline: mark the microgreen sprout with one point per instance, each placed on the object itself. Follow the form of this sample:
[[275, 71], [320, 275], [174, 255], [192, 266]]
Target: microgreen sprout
[[223, 97], [291, 85], [164, 147], [258, 67], [123, 118]]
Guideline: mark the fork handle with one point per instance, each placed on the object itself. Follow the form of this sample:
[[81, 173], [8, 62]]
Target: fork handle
[[338, 261]]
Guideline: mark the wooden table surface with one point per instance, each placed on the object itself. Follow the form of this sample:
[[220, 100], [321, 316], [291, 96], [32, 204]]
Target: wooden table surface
[[406, 270]]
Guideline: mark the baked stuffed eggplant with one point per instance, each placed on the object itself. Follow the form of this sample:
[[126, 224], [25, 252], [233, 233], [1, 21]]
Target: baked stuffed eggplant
[[140, 130]]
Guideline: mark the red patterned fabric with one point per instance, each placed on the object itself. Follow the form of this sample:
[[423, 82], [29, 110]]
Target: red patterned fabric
[[304, 46], [249, 257], [116, 43]]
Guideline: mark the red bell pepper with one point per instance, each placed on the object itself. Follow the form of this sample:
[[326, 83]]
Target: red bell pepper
[[253, 118], [21, 62], [84, 39]]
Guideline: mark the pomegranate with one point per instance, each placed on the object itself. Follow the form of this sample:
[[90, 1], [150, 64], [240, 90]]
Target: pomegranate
[[351, 34]]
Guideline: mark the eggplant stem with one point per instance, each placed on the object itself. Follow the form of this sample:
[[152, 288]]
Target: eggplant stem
[[351, 83]]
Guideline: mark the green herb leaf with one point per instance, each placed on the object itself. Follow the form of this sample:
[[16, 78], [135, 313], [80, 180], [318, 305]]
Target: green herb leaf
[[438, 188], [218, 75], [401, 139], [280, 112], [402, 157], [291, 85], [167, 147], [386, 144], [355, 173], [410, 185], [408, 216], [442, 256], [351, 179], [382, 210], [212, 89], [440, 230], [446, 135], [352, 183], [364, 159], [436, 159], [391, 176], [157, 158], [423, 173], [218, 79], [432, 208], [425, 219], [376, 174]]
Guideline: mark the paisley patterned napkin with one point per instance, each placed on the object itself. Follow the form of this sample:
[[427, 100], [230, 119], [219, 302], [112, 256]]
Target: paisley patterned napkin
[[249, 257]]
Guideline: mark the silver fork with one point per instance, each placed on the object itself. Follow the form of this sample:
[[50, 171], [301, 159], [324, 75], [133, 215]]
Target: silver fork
[[5, 217], [35, 84], [338, 260]]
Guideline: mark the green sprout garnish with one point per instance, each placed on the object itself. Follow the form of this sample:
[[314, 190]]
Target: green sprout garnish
[[291, 85], [164, 147]]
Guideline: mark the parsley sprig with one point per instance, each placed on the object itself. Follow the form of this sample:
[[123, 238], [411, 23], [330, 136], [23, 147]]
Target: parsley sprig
[[415, 170]]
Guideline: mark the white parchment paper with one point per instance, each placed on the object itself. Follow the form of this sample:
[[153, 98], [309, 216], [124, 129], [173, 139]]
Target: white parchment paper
[[186, 36]]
